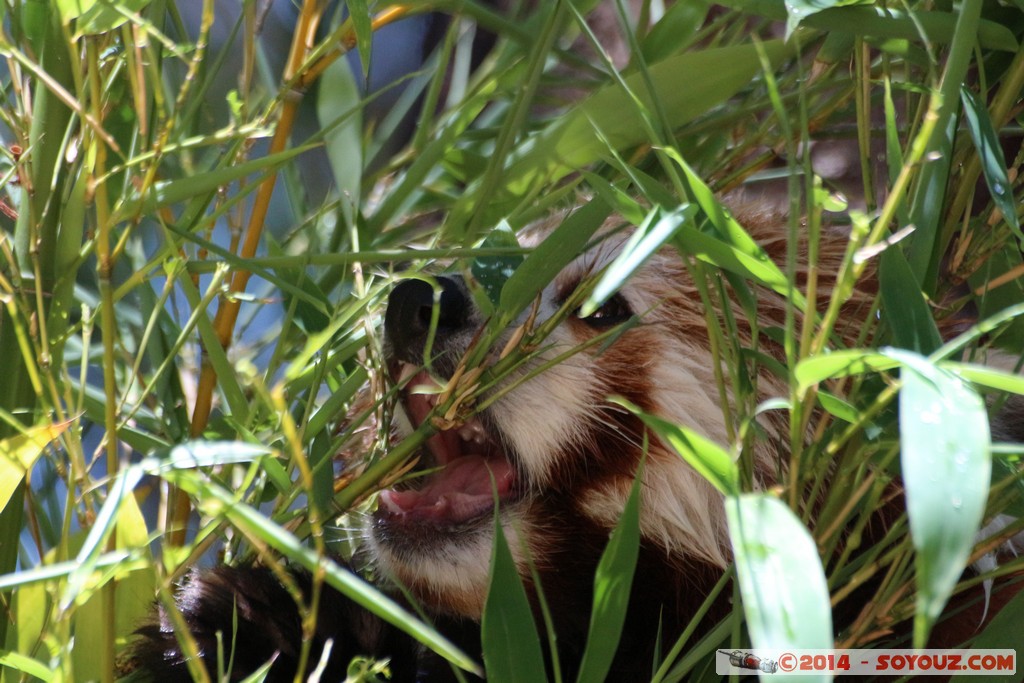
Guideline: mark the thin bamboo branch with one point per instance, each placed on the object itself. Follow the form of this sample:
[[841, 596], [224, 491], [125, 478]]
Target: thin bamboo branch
[[297, 78]]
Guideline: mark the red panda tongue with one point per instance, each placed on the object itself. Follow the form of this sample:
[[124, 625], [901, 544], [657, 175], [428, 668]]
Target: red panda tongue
[[462, 490], [466, 483]]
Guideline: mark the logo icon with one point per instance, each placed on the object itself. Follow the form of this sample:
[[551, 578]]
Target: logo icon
[[745, 660]]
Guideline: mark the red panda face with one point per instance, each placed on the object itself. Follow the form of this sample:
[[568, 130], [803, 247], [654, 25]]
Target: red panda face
[[556, 453]]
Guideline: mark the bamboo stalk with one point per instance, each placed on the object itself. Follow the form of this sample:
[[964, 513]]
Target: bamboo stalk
[[227, 313], [35, 236], [298, 76], [105, 268]]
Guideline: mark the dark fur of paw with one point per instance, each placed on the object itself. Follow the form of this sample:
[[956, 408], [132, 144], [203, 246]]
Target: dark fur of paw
[[258, 621]]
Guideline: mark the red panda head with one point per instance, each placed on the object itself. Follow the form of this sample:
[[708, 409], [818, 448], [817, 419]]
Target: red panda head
[[558, 455]]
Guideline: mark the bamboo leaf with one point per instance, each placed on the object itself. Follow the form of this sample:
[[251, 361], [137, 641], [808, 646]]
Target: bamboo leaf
[[755, 264], [27, 665], [80, 585], [512, 651], [929, 198], [362, 22], [878, 22], [674, 30], [29, 607], [339, 111], [838, 407], [1004, 632], [199, 453], [19, 453], [815, 369], [904, 307], [990, 153], [986, 376], [658, 227], [492, 272], [569, 143], [703, 455], [785, 595], [133, 594], [726, 256], [946, 467], [189, 187], [99, 16], [612, 583], [551, 256], [798, 10]]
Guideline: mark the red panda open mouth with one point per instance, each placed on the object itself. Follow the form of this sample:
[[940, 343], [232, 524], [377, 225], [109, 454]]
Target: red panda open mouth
[[471, 464]]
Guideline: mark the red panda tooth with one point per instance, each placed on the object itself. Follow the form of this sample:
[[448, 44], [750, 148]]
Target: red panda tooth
[[407, 370], [473, 432]]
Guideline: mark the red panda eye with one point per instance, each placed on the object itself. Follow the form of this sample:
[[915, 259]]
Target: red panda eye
[[612, 312]]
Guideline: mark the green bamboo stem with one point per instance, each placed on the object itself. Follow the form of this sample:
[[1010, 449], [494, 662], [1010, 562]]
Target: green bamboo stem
[[35, 242]]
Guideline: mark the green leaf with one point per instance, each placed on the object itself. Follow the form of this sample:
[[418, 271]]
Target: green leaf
[[708, 458], [728, 257], [339, 110], [1004, 632], [72, 9], [312, 312], [904, 307], [362, 23], [27, 665], [928, 200], [35, 19], [512, 652], [321, 454], [893, 149], [986, 376], [926, 247], [134, 590], [200, 453], [674, 30], [551, 255], [80, 587], [1007, 297], [612, 583], [659, 227], [622, 201], [878, 22], [755, 263], [492, 272], [798, 10], [189, 187], [98, 16], [30, 608], [226, 377], [19, 453], [815, 369], [785, 595], [946, 467], [838, 407], [570, 143], [990, 152]]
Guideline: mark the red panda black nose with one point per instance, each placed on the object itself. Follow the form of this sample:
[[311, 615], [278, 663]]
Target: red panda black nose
[[411, 312]]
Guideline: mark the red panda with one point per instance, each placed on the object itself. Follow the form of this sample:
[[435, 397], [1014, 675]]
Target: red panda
[[555, 453]]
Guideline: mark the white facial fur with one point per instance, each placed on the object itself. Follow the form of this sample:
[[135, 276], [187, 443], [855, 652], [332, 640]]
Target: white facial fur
[[553, 419]]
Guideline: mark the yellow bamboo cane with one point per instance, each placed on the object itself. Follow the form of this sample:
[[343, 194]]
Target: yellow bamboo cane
[[297, 79]]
